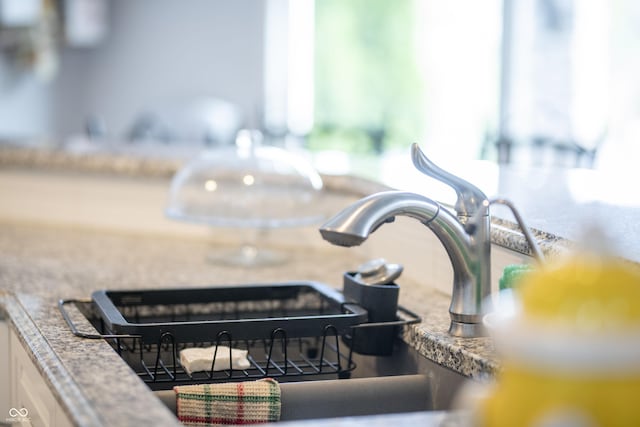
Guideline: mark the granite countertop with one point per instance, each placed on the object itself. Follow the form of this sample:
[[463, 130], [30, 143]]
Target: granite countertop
[[558, 204], [42, 264]]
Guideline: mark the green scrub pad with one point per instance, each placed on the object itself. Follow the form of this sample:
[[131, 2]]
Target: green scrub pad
[[512, 274]]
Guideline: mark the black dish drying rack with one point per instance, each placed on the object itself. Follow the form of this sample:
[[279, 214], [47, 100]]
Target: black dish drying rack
[[290, 330]]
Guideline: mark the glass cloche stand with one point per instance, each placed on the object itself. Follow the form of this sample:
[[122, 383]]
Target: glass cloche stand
[[251, 188]]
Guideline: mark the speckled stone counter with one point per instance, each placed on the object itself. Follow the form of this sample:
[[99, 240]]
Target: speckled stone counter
[[42, 264], [556, 203]]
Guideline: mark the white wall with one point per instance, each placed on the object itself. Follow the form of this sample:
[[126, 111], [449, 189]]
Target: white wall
[[157, 52], [24, 104]]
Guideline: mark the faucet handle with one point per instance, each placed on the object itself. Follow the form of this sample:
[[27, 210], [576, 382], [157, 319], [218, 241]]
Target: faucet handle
[[470, 198]]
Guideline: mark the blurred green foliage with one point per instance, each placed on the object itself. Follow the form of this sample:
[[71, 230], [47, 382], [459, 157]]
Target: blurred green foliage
[[368, 88]]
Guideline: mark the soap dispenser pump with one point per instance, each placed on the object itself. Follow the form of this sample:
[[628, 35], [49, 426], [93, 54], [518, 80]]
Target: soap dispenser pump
[[373, 286]]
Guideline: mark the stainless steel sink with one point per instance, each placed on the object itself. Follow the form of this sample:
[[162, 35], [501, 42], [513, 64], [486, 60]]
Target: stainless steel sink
[[319, 375], [402, 382]]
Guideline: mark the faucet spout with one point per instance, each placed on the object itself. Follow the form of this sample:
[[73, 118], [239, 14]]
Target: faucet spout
[[468, 248], [353, 224]]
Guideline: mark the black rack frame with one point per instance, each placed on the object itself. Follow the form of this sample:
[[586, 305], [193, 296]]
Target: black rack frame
[[292, 339]]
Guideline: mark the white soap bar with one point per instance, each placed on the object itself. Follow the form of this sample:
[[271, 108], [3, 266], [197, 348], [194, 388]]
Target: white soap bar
[[200, 359]]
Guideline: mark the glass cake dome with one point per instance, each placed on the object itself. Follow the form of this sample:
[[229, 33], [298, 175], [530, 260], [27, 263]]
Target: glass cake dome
[[247, 185]]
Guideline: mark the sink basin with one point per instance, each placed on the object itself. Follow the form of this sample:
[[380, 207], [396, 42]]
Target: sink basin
[[319, 376], [400, 383]]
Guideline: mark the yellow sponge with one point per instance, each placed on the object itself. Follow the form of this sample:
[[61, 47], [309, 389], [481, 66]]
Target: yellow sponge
[[596, 293]]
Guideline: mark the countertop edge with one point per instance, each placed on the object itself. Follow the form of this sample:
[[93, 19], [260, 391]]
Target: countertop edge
[[60, 382]]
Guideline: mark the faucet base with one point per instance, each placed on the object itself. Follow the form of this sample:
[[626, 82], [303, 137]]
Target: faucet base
[[467, 330]]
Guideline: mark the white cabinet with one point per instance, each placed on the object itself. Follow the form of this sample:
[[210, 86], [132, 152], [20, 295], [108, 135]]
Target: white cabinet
[[5, 384], [26, 397]]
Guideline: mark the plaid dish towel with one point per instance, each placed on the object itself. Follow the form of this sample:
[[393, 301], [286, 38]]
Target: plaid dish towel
[[228, 403]]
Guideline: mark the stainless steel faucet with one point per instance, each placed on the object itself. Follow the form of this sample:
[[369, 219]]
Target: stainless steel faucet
[[465, 236]]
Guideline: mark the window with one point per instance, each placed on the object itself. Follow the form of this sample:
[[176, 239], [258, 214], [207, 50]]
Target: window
[[368, 83], [386, 74]]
